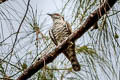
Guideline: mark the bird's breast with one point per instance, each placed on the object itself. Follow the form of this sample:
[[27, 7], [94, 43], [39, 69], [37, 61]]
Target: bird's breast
[[60, 32]]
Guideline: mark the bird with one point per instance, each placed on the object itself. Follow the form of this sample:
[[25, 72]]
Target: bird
[[60, 31]]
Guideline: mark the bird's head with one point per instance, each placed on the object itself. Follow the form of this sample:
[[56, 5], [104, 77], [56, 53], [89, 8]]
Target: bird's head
[[56, 16]]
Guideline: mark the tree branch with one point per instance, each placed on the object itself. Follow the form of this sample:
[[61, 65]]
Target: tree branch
[[1, 1], [93, 18]]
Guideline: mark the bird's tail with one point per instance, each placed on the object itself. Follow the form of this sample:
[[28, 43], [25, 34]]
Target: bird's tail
[[70, 54]]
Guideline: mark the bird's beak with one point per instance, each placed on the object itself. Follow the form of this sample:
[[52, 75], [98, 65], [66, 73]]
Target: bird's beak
[[49, 14]]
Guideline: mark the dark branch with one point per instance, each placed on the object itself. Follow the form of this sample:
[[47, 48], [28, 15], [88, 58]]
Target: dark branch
[[1, 1], [93, 18]]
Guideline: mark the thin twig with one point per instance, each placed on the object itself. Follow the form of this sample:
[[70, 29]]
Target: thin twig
[[18, 32]]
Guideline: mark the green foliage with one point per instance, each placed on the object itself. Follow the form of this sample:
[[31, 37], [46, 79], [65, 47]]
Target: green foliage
[[85, 49], [116, 36], [24, 66]]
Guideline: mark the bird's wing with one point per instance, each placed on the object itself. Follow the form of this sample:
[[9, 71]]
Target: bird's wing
[[69, 27], [53, 37]]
